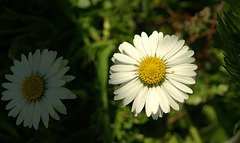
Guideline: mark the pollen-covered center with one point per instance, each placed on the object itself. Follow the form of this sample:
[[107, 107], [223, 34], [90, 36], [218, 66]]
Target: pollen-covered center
[[33, 87], [152, 71]]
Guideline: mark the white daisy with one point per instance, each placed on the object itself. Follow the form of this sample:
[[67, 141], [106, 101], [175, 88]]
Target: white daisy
[[35, 88], [153, 73]]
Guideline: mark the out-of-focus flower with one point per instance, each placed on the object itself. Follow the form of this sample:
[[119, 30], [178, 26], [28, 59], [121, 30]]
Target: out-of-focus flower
[[35, 88]]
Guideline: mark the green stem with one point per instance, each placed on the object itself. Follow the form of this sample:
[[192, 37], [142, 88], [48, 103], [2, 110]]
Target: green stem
[[193, 131]]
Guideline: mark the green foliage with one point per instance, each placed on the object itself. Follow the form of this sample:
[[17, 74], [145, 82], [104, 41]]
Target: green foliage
[[88, 32], [229, 32]]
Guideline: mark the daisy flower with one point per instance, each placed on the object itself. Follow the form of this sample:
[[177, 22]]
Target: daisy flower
[[35, 88], [153, 73]]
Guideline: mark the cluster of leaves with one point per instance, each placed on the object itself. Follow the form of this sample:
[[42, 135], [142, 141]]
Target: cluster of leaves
[[87, 33], [229, 32]]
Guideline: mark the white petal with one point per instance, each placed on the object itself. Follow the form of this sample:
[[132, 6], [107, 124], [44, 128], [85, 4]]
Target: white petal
[[124, 59], [154, 100], [163, 48], [29, 115], [44, 113], [141, 99], [13, 78], [36, 115], [118, 78], [160, 113], [16, 110], [17, 73], [169, 46], [183, 57], [30, 124], [183, 53], [52, 70], [181, 86], [164, 104], [20, 68], [60, 92], [175, 49], [160, 36], [181, 72], [30, 60], [130, 96], [181, 61], [155, 116], [14, 102], [174, 92], [122, 74], [123, 68], [146, 44], [132, 89], [148, 106], [11, 94], [51, 56], [44, 62], [171, 101], [58, 75], [134, 105], [56, 103], [139, 46], [160, 41], [50, 108], [12, 86], [153, 39], [182, 79], [183, 67], [56, 83], [36, 61], [63, 63], [135, 114], [71, 96], [131, 51], [23, 113], [26, 65], [67, 78], [125, 86], [113, 59]]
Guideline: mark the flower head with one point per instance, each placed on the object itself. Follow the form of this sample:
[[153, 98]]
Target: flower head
[[35, 88], [153, 73]]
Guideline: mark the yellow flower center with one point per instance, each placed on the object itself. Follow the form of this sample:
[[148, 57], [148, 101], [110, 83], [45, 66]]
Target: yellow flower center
[[33, 87], [152, 71]]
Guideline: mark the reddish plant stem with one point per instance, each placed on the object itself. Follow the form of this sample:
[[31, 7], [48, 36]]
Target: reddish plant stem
[[212, 29], [179, 115], [174, 16], [186, 17]]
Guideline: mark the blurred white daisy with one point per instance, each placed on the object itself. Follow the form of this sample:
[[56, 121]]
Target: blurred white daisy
[[153, 73], [35, 88]]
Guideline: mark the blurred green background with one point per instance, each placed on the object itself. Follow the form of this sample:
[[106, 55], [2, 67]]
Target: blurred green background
[[87, 33]]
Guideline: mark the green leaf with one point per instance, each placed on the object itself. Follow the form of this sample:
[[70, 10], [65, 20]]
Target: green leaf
[[210, 113], [194, 132], [236, 127]]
